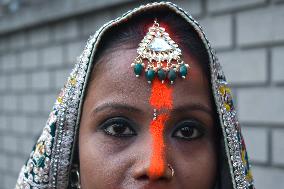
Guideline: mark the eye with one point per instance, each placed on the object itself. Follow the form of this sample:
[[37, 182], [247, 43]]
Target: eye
[[188, 130], [119, 127]]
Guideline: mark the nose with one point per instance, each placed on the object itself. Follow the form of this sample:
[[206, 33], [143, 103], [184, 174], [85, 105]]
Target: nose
[[142, 173], [143, 170], [153, 165]]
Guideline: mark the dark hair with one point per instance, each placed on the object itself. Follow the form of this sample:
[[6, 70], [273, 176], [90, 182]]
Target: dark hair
[[131, 32]]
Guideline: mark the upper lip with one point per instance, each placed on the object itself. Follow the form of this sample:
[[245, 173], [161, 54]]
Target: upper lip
[[150, 185]]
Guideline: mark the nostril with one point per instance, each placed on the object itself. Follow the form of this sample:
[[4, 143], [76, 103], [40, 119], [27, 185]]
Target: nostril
[[140, 173], [143, 177]]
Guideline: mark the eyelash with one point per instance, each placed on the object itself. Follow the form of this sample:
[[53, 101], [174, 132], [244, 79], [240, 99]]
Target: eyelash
[[192, 126], [108, 125]]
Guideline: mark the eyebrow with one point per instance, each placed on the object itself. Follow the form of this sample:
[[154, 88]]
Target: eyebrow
[[194, 107], [116, 106], [183, 108]]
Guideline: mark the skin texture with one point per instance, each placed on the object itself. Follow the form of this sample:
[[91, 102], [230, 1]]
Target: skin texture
[[123, 162]]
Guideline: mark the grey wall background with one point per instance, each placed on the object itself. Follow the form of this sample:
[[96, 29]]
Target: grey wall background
[[40, 40]]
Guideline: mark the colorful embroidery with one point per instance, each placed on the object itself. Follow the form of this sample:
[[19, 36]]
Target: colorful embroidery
[[234, 137], [36, 170]]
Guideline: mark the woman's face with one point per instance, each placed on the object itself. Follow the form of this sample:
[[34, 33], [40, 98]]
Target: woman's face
[[117, 146]]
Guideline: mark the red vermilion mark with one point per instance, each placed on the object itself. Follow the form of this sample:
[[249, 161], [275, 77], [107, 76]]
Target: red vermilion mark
[[161, 98], [161, 95], [157, 165]]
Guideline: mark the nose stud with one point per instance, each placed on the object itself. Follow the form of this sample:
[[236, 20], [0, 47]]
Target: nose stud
[[172, 170]]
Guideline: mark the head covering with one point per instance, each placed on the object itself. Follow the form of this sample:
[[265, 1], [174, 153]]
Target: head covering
[[51, 159]]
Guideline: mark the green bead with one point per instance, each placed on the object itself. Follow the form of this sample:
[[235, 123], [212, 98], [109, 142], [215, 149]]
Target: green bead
[[138, 69], [150, 74], [172, 75], [183, 71], [161, 74]]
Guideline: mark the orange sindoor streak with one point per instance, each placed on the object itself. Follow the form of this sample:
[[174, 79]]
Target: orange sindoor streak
[[161, 98]]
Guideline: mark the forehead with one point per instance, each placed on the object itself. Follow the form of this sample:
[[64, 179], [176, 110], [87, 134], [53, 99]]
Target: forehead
[[115, 81]]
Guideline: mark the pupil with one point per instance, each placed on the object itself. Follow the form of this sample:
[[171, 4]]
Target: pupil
[[119, 128], [186, 131]]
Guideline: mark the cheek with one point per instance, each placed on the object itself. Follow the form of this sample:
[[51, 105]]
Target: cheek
[[101, 165], [197, 164]]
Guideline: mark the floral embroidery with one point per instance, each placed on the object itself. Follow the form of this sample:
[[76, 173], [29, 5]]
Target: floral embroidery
[[36, 170]]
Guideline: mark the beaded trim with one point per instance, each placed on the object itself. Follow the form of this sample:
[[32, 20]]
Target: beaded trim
[[50, 169]]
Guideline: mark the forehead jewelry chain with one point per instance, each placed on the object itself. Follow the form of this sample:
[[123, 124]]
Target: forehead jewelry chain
[[161, 55]]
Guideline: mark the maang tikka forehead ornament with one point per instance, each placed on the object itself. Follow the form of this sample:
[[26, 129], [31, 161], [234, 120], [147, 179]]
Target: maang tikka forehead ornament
[[162, 55]]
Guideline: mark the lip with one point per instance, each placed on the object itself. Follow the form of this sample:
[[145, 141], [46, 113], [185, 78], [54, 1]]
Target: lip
[[151, 185]]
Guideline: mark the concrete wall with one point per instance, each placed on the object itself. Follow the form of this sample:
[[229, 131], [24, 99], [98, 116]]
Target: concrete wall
[[39, 43]]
